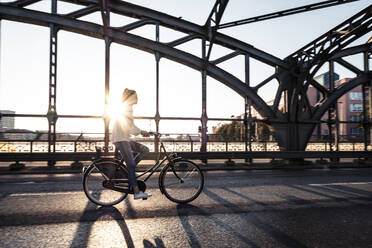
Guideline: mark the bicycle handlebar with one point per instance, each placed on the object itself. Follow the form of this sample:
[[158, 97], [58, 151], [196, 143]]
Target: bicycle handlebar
[[155, 134]]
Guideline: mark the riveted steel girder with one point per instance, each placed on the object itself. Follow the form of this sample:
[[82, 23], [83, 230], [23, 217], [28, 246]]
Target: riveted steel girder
[[94, 30], [332, 42], [215, 16], [293, 11], [294, 74], [139, 12], [352, 50]]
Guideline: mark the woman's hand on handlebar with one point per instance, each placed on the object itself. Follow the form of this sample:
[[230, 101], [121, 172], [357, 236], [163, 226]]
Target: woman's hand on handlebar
[[154, 133], [145, 133]]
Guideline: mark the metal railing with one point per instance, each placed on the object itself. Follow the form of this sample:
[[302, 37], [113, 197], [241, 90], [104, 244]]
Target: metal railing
[[82, 148]]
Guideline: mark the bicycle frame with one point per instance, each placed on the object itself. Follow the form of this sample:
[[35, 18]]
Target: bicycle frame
[[152, 170], [116, 179]]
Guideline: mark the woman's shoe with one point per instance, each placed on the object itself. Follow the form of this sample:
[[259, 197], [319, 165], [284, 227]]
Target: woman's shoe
[[141, 195]]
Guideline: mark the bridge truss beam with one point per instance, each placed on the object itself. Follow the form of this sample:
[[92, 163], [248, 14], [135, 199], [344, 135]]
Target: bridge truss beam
[[292, 126], [293, 11]]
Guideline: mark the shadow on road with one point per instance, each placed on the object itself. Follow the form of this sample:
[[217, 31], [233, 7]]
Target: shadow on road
[[158, 243], [245, 197], [40, 183], [84, 229], [186, 211], [92, 214], [352, 190], [252, 219], [335, 193]]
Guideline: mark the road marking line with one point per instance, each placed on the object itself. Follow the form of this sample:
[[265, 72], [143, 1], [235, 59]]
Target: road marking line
[[346, 183], [45, 193], [24, 183]]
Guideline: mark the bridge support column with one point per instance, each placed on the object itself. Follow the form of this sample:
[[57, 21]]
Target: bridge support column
[[292, 131], [52, 109], [293, 136], [367, 113], [105, 14], [107, 92], [204, 117], [157, 115], [334, 133], [247, 113]]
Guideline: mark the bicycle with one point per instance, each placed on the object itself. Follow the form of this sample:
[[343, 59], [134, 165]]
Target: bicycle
[[105, 180]]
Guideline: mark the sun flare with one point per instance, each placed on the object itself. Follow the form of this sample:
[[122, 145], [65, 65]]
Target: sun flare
[[116, 109]]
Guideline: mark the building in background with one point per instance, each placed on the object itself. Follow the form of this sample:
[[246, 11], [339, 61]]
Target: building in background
[[6, 123], [9, 132], [349, 107], [314, 96], [323, 79]]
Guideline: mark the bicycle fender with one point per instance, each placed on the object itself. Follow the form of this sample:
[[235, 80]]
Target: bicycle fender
[[177, 159], [107, 159]]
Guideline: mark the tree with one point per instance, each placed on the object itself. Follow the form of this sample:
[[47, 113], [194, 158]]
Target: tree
[[233, 131]]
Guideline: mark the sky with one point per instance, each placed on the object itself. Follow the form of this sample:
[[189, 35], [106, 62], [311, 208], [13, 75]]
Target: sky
[[24, 64]]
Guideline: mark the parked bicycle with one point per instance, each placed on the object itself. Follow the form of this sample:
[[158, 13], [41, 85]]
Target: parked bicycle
[[105, 180]]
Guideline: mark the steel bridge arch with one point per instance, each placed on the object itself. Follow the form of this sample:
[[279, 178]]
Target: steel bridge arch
[[189, 28], [140, 43], [14, 11]]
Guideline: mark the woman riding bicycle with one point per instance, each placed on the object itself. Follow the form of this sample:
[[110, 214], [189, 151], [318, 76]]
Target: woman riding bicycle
[[123, 128]]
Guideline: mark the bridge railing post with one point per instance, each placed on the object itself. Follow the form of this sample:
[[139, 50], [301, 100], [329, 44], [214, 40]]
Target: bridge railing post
[[52, 109], [367, 116], [105, 14], [247, 113], [157, 114], [204, 117]]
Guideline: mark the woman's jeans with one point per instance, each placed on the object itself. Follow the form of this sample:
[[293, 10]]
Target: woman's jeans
[[127, 148]]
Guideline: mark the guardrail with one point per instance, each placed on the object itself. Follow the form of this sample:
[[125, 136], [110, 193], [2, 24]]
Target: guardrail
[[37, 146], [83, 150]]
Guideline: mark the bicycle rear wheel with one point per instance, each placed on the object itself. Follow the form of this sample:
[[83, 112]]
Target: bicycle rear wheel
[[181, 181], [94, 179]]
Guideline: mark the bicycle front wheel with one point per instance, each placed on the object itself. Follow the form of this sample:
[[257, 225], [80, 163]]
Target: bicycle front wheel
[[94, 179], [181, 181]]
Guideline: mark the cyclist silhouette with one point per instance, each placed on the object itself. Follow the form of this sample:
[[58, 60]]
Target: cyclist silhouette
[[123, 128]]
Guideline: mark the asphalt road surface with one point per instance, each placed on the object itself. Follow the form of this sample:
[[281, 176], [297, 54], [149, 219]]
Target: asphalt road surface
[[287, 208]]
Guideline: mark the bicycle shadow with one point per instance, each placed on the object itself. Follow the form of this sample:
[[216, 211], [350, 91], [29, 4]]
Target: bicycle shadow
[[88, 219]]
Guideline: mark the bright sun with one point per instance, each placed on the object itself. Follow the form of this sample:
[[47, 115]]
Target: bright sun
[[115, 109]]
